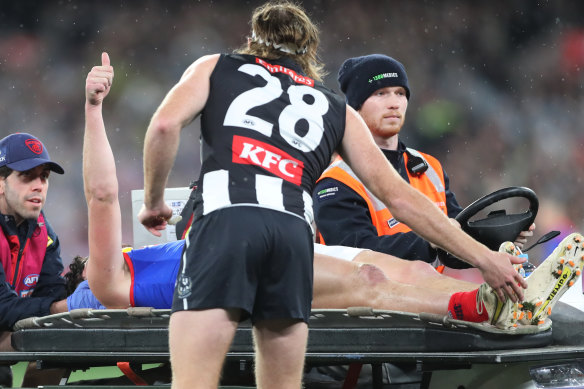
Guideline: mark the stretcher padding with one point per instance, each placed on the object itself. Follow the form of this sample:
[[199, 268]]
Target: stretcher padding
[[330, 331]]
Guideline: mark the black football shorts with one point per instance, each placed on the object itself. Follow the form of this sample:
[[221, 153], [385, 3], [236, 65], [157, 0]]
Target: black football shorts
[[256, 259]]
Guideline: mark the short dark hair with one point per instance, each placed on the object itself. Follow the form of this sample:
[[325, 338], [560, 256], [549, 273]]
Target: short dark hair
[[5, 171], [75, 274]]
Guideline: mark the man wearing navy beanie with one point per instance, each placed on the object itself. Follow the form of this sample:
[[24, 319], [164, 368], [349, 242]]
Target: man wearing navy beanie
[[346, 213], [359, 77]]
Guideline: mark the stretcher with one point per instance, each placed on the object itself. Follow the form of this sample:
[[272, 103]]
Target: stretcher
[[86, 338]]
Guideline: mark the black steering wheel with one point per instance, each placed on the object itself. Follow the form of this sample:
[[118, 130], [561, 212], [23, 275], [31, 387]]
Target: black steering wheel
[[497, 227]]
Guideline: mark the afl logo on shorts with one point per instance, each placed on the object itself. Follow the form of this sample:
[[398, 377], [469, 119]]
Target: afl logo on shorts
[[31, 280], [183, 286]]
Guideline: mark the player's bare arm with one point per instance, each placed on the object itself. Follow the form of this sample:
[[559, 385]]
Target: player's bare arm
[[179, 108], [416, 210], [106, 267]]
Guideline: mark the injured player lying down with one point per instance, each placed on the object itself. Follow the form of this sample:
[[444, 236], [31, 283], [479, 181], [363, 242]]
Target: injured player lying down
[[344, 279], [146, 276]]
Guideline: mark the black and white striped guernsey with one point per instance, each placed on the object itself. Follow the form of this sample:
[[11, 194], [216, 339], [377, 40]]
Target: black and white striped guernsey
[[268, 132]]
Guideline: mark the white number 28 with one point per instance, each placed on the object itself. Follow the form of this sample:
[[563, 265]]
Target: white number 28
[[237, 113]]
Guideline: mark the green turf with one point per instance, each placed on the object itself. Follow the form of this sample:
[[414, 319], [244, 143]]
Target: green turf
[[18, 373]]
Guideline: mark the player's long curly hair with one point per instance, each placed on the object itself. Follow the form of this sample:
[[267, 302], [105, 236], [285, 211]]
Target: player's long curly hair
[[75, 274], [284, 24]]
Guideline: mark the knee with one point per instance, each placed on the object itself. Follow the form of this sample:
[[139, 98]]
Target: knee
[[421, 268], [371, 274]]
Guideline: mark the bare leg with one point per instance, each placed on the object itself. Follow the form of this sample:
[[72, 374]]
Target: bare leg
[[472, 275], [342, 284], [199, 341], [280, 347], [414, 272]]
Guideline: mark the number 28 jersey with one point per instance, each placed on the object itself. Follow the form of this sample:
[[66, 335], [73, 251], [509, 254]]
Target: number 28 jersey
[[268, 132]]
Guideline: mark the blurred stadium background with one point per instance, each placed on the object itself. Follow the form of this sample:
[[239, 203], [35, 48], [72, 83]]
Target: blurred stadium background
[[497, 87]]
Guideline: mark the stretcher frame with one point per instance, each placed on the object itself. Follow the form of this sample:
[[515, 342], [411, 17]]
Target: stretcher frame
[[88, 338]]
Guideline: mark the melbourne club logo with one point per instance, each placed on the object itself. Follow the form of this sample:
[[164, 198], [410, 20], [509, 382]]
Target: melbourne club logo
[[34, 145]]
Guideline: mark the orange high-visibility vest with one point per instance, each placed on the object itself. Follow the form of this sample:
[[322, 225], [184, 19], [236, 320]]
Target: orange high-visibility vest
[[431, 183]]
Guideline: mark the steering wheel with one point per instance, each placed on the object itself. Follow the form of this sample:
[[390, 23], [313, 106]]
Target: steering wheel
[[497, 227]]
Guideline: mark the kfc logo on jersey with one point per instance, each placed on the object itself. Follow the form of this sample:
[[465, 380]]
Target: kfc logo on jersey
[[253, 152], [31, 280]]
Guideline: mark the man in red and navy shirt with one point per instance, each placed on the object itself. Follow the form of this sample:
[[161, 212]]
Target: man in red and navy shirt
[[30, 276]]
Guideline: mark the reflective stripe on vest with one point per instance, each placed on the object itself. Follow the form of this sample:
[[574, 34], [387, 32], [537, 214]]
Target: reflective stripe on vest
[[431, 183]]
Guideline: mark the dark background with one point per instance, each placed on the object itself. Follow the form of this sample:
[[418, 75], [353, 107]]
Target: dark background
[[496, 87]]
